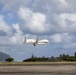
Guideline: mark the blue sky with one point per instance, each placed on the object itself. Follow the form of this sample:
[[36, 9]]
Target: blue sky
[[54, 20]]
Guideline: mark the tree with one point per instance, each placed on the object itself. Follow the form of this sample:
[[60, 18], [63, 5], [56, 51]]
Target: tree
[[9, 60], [60, 56], [75, 54], [32, 56]]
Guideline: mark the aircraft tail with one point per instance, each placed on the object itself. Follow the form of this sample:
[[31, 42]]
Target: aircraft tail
[[25, 40], [36, 41]]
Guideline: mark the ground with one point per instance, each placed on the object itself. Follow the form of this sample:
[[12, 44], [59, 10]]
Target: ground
[[39, 69]]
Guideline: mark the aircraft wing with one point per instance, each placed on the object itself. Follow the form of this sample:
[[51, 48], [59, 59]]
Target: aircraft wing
[[35, 41], [41, 43]]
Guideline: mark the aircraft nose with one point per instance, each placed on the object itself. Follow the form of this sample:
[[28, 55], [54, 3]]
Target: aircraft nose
[[47, 41]]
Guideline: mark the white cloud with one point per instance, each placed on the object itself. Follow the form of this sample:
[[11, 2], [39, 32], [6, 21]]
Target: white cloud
[[4, 26], [56, 38], [17, 38], [14, 4], [25, 13], [61, 38], [56, 5], [70, 17], [10, 39], [34, 21], [63, 1], [38, 23], [66, 22], [18, 31]]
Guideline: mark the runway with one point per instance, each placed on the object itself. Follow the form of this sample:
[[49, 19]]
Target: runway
[[38, 70]]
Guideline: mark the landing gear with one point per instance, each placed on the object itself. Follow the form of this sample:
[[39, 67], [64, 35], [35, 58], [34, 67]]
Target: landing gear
[[34, 44]]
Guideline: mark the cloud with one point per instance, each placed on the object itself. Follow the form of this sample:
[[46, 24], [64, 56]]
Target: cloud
[[37, 22], [14, 39], [2, 33], [63, 1], [8, 4], [17, 38], [65, 22], [34, 21], [7, 37], [15, 4], [62, 38], [55, 6], [54, 18], [4, 27], [70, 46]]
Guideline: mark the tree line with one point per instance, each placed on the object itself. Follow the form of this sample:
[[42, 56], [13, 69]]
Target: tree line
[[61, 57]]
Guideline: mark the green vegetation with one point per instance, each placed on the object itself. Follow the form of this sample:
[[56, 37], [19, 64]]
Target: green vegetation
[[62, 57], [41, 59], [35, 59], [9, 60]]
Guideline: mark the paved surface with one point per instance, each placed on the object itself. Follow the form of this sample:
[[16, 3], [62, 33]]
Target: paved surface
[[38, 70]]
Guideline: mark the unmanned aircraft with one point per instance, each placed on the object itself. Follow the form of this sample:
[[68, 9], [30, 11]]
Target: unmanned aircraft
[[35, 41]]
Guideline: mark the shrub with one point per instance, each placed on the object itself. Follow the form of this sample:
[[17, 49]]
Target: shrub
[[9, 60]]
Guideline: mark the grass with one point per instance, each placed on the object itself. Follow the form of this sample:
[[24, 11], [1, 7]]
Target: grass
[[35, 63]]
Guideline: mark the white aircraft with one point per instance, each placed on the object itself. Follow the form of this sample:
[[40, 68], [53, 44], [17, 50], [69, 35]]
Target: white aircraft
[[35, 41]]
